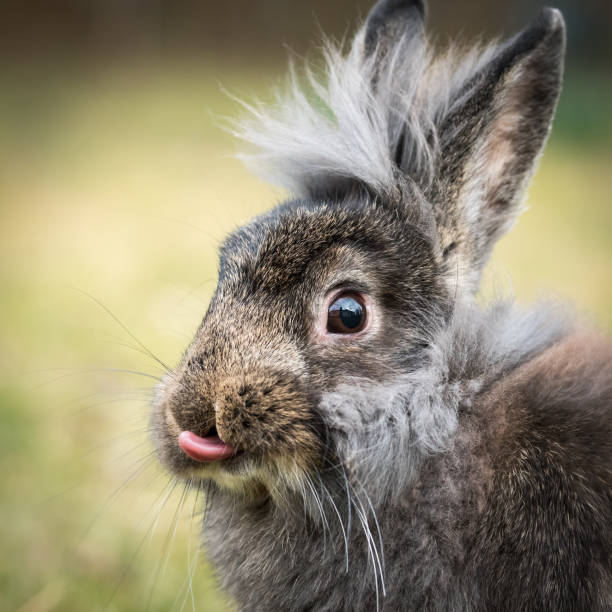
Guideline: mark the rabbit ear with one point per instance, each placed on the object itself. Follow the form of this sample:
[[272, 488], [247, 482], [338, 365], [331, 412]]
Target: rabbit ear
[[394, 36], [489, 140], [389, 20]]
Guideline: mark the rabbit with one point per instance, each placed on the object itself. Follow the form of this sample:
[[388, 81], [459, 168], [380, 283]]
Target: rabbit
[[369, 434]]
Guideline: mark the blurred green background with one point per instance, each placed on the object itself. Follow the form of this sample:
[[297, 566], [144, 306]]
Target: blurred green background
[[116, 185]]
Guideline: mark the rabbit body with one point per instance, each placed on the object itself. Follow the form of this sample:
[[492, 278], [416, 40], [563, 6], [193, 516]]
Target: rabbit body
[[515, 515], [368, 435]]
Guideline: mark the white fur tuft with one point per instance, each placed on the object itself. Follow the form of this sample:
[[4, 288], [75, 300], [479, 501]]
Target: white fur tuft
[[349, 124]]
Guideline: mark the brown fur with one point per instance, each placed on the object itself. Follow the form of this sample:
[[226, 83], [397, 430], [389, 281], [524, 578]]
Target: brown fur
[[549, 511]]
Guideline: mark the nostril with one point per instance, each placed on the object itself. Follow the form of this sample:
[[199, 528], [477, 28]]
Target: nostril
[[244, 390], [197, 362]]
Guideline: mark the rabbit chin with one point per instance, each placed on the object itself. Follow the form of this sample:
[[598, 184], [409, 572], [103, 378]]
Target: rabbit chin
[[252, 477]]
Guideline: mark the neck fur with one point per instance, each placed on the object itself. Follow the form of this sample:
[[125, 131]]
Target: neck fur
[[384, 431]]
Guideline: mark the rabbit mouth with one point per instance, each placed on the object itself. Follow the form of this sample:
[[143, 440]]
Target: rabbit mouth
[[229, 467], [205, 450]]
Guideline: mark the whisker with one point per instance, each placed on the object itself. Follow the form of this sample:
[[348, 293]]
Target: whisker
[[115, 341], [114, 440], [380, 539], [167, 542], [173, 483], [344, 534], [129, 565], [317, 499], [133, 449], [348, 504], [371, 548], [142, 466], [125, 329], [191, 562], [92, 371], [186, 489]]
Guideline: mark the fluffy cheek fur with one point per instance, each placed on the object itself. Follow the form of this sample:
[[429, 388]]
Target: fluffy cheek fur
[[383, 432]]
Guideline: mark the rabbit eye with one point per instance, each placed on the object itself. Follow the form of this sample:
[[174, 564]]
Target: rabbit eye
[[346, 315]]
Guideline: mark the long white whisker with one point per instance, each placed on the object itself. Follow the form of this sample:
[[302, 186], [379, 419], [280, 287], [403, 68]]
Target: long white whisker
[[126, 330], [380, 566], [172, 486], [142, 466], [321, 510], [380, 539], [175, 527], [156, 571], [191, 558], [348, 507], [344, 535], [368, 535], [134, 555]]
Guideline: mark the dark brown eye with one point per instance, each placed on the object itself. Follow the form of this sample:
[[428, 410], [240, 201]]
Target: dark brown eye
[[347, 314]]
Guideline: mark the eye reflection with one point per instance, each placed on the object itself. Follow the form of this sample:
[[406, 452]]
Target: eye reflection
[[347, 314]]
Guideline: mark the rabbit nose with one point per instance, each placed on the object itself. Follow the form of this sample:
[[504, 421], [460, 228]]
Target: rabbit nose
[[259, 411], [241, 407]]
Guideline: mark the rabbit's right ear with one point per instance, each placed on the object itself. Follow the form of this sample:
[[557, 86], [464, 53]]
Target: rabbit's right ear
[[489, 140]]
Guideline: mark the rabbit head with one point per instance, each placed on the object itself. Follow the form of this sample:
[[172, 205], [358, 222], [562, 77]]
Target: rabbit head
[[323, 342]]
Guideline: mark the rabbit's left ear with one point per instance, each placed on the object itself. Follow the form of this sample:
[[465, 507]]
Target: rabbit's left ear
[[489, 141]]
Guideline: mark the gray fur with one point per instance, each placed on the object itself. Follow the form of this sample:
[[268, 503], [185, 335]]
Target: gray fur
[[378, 426], [450, 455]]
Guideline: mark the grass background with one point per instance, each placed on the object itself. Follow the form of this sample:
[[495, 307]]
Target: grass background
[[115, 189]]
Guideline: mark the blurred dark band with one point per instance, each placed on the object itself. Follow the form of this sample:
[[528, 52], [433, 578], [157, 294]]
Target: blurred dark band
[[84, 29]]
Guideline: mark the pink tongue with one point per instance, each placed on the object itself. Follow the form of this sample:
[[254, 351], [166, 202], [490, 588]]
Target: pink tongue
[[211, 448]]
